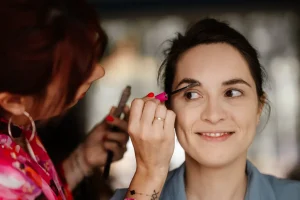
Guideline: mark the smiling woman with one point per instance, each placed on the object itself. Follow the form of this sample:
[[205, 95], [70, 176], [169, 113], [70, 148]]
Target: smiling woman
[[216, 122]]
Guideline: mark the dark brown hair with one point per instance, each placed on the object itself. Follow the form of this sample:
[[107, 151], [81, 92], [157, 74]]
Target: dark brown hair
[[44, 39], [210, 31]]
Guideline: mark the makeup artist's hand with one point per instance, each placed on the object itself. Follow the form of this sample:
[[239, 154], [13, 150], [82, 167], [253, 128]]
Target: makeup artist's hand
[[93, 151], [153, 139], [101, 139]]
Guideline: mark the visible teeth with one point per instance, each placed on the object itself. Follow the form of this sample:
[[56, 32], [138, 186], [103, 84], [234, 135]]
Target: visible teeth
[[214, 134]]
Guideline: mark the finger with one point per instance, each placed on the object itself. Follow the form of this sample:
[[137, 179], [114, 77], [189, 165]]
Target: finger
[[98, 132], [119, 123], [121, 138], [109, 117], [169, 122], [149, 96], [126, 113], [103, 124], [136, 110], [135, 114], [149, 111], [116, 149], [160, 112]]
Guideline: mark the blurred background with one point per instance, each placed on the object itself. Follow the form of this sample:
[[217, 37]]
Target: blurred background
[[138, 31]]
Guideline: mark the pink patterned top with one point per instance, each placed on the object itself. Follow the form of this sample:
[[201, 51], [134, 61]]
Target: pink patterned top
[[24, 176]]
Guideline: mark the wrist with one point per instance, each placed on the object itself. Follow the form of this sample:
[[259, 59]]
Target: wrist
[[80, 160], [158, 173], [147, 183]]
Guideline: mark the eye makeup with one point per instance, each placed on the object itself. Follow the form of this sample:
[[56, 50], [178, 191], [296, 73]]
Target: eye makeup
[[164, 96]]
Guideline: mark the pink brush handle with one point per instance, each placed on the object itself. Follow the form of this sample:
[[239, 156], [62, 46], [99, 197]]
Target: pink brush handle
[[162, 97]]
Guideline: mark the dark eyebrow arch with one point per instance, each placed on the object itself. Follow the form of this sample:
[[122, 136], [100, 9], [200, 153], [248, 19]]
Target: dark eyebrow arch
[[189, 81], [235, 81], [193, 82]]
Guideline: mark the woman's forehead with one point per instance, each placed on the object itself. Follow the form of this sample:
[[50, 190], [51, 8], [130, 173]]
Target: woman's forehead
[[213, 62]]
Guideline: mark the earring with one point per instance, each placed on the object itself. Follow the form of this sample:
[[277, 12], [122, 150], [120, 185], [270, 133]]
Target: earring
[[32, 125]]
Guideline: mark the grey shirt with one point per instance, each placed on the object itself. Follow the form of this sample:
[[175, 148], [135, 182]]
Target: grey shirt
[[260, 186]]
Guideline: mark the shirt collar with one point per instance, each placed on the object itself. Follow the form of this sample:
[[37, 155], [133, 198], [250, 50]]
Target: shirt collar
[[258, 187]]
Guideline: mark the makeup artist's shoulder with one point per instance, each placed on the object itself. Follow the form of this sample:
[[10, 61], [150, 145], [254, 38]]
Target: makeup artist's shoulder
[[174, 177], [284, 188]]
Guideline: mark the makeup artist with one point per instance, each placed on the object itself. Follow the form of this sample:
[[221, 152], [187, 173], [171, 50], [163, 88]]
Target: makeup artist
[[216, 122], [49, 54]]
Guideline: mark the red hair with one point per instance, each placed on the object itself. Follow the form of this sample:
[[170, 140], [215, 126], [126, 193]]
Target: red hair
[[43, 39]]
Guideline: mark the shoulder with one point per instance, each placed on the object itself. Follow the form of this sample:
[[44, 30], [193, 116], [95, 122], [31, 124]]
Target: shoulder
[[283, 188], [262, 186], [13, 174], [119, 194]]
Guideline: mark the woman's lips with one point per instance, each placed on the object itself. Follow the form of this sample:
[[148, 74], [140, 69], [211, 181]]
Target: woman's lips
[[215, 136]]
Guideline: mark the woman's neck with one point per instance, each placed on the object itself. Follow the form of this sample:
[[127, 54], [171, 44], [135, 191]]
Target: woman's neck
[[22, 143], [206, 183], [18, 137]]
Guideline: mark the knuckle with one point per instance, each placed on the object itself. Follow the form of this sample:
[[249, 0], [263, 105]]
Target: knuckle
[[124, 139], [144, 137], [137, 101], [106, 145], [131, 129], [150, 104], [162, 107], [171, 113], [114, 145], [156, 101]]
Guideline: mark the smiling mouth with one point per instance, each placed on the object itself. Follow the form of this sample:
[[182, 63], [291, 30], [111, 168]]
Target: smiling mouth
[[215, 134]]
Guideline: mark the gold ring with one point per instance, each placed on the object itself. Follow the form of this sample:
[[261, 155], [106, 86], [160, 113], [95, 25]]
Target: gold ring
[[159, 118]]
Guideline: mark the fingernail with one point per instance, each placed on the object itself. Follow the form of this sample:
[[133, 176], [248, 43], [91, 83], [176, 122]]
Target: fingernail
[[109, 118], [151, 94]]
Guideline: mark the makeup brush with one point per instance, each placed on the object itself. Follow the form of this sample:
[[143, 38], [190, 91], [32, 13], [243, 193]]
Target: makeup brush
[[164, 96]]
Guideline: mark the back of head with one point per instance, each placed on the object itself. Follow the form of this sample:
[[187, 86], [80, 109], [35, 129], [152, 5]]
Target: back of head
[[41, 40]]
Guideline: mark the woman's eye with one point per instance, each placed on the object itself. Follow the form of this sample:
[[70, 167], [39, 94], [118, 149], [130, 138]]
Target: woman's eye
[[233, 93], [192, 95]]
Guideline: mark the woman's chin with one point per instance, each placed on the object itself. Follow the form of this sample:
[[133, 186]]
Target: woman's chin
[[210, 160]]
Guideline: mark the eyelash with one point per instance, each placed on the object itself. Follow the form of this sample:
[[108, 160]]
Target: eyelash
[[234, 89], [191, 91], [230, 89]]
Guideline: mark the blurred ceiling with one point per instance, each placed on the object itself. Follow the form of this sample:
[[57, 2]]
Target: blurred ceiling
[[117, 6]]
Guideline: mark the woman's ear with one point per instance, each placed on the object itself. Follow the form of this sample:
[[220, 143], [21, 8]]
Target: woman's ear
[[11, 103], [261, 104]]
